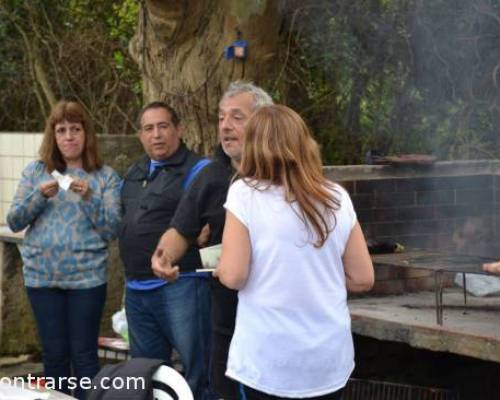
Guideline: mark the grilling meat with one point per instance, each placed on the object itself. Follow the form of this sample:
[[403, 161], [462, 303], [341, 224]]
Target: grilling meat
[[384, 246]]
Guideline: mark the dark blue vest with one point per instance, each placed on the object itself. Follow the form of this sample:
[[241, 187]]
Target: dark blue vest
[[149, 203]]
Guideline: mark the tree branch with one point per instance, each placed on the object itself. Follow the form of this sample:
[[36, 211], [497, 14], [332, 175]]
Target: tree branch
[[39, 75]]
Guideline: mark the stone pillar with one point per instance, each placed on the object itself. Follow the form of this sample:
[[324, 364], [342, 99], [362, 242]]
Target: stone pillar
[[17, 326]]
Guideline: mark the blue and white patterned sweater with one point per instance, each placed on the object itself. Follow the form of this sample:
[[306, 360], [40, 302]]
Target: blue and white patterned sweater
[[66, 244]]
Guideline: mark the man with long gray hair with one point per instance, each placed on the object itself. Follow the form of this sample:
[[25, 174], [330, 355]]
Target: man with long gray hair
[[203, 206]]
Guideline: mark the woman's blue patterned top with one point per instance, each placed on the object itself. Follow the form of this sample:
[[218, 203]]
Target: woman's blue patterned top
[[66, 244]]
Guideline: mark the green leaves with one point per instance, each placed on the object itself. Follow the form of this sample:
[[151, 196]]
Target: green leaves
[[123, 20], [74, 48], [400, 76]]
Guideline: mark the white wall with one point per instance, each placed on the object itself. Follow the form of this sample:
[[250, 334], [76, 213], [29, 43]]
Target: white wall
[[17, 149]]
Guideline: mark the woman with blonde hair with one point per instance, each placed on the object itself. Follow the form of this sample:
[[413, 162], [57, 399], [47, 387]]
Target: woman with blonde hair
[[70, 203], [292, 247]]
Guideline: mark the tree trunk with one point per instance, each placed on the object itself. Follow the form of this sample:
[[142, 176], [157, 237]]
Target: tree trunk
[[179, 46]]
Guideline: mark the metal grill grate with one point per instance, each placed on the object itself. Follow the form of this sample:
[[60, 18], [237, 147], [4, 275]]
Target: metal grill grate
[[360, 389]]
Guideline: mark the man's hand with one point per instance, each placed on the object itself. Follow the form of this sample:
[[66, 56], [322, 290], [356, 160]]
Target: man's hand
[[49, 189], [171, 247], [162, 266], [202, 238], [493, 268]]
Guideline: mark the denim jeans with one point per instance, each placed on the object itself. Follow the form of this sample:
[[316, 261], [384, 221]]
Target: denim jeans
[[175, 315], [68, 325]]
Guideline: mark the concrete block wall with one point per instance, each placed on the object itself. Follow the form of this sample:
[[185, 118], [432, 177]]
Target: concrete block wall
[[450, 205], [17, 149]]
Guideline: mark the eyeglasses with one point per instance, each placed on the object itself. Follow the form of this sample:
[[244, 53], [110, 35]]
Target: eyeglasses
[[73, 131]]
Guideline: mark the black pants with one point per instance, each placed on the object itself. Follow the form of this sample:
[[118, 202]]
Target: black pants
[[225, 387], [252, 394]]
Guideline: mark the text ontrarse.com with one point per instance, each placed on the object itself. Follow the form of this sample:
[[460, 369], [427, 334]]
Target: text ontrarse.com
[[72, 383]]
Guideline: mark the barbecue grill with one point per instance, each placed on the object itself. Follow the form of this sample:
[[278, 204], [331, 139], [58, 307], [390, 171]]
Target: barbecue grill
[[362, 389], [439, 264]]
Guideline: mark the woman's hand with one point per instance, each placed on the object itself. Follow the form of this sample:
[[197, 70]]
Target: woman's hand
[[81, 187], [49, 189]]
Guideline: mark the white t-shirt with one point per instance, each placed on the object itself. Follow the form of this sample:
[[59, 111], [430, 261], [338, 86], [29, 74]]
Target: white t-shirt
[[293, 329]]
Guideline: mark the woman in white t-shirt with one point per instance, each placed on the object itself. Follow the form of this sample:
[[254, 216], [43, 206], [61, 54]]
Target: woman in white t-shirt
[[292, 247]]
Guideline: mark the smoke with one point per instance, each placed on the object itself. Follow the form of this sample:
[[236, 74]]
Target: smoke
[[401, 75]]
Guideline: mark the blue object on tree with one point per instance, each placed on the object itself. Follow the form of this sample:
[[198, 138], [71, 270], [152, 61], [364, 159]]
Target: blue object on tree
[[229, 52], [239, 49]]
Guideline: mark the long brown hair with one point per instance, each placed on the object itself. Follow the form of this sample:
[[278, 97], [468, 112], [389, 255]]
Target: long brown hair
[[70, 111], [280, 150]]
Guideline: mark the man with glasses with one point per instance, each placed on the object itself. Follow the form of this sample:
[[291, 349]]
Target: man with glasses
[[161, 315]]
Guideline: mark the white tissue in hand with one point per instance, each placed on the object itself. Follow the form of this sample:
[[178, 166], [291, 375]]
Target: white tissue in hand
[[64, 181]]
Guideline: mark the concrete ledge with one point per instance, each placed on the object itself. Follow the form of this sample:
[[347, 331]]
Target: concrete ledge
[[469, 330], [21, 365], [442, 168], [6, 235]]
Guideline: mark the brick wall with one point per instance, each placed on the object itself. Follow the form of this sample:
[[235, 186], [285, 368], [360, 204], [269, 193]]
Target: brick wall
[[425, 212], [422, 207], [449, 206]]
